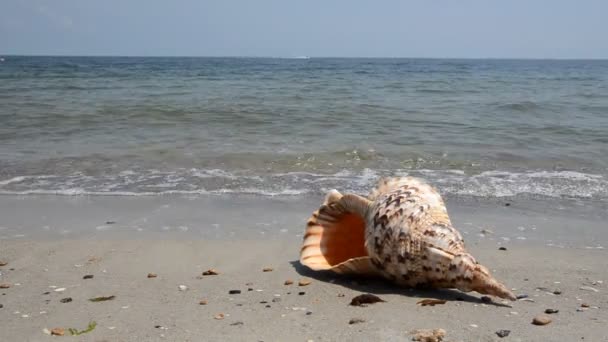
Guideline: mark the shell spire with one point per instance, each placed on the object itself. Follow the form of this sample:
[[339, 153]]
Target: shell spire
[[402, 232]]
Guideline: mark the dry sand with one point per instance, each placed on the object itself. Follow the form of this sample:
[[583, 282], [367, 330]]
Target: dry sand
[[154, 309]]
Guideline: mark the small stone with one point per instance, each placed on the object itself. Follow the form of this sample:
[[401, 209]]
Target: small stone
[[110, 222], [308, 313], [202, 302], [341, 295], [3, 263], [61, 289], [288, 282], [584, 305], [541, 320], [268, 306], [5, 286], [237, 323], [152, 275], [183, 288], [46, 293], [1, 306], [267, 269], [88, 276], [276, 300], [522, 296], [219, 316], [158, 326], [66, 300], [210, 272], [356, 321], [234, 292], [589, 288], [304, 282], [431, 302], [507, 204], [557, 292], [58, 331], [301, 293], [502, 249], [249, 289], [486, 299], [503, 333], [551, 311]]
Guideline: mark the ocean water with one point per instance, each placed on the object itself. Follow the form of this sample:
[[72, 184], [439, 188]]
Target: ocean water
[[292, 127]]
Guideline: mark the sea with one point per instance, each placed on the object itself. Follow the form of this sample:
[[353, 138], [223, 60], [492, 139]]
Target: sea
[[153, 126]]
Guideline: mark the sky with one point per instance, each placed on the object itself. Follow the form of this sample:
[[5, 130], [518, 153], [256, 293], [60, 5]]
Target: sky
[[317, 28]]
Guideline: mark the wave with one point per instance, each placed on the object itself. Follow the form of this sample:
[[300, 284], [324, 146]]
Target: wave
[[491, 183]]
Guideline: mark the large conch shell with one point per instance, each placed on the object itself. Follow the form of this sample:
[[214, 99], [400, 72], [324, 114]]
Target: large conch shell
[[402, 232]]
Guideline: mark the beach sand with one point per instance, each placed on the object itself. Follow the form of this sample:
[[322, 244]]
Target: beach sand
[[51, 242]]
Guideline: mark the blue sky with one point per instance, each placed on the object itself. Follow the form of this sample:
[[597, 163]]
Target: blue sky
[[389, 28]]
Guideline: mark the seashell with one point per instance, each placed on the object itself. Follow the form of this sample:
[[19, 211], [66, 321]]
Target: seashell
[[401, 232]]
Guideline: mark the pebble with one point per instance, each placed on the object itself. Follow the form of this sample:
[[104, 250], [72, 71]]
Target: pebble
[[584, 305], [551, 311], [589, 288], [237, 323], [356, 321], [66, 300], [276, 300], [557, 292], [308, 313], [61, 289], [219, 316], [502, 249], [1, 306], [88, 276], [202, 302], [288, 282], [152, 275], [267, 269], [234, 292], [3, 263], [541, 320], [304, 282], [183, 287], [522, 296], [503, 333], [5, 286], [301, 293]]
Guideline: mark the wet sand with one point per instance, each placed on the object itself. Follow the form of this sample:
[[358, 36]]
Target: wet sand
[[51, 242]]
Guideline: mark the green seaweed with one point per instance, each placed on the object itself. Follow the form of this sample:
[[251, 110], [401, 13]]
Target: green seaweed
[[75, 332], [102, 299]]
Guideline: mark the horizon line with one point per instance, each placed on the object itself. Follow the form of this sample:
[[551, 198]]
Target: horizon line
[[308, 57]]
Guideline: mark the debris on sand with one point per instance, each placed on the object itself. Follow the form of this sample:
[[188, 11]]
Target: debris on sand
[[152, 275], [183, 288], [288, 282], [90, 327], [210, 272], [503, 333], [304, 282], [102, 298], [58, 331], [431, 302], [202, 302], [66, 300], [267, 269], [364, 299], [551, 311], [541, 320], [88, 276], [219, 316], [234, 292], [427, 335], [3, 263], [356, 321], [5, 286]]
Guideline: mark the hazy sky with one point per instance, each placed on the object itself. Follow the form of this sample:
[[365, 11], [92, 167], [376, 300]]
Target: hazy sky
[[386, 28]]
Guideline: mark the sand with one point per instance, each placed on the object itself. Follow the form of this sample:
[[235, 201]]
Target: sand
[[51, 242]]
